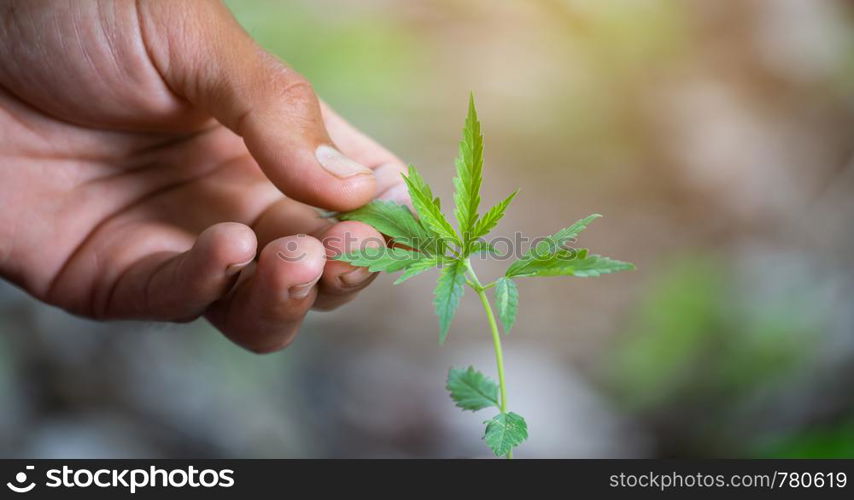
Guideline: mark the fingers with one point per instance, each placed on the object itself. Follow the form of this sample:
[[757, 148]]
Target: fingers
[[341, 282], [205, 56], [388, 169], [266, 308], [180, 286], [287, 217], [259, 305]]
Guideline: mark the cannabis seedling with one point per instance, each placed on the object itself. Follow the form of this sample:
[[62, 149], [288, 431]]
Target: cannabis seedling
[[430, 241]]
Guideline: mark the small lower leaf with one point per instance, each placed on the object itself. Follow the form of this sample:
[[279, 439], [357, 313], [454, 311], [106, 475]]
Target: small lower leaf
[[504, 432], [448, 292], [472, 390], [507, 298]]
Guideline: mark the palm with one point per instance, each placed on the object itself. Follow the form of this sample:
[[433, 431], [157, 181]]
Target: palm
[[115, 198]]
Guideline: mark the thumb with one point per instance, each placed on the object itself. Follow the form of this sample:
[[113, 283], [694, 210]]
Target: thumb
[[205, 56]]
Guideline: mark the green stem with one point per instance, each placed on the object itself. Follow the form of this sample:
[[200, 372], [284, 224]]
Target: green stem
[[496, 337]]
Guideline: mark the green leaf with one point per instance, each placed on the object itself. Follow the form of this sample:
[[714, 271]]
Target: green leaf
[[543, 252], [542, 256], [594, 265], [428, 207], [482, 247], [448, 292], [492, 216], [550, 247], [472, 390], [504, 432], [581, 265], [507, 298], [469, 177], [419, 267], [566, 234], [395, 221], [382, 258]]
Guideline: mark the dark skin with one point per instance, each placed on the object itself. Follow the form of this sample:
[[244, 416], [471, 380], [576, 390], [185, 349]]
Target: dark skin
[[155, 163]]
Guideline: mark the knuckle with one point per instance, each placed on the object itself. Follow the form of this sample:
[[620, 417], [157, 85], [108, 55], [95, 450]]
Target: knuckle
[[297, 90]]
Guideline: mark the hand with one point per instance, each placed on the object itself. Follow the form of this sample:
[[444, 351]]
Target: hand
[[144, 151]]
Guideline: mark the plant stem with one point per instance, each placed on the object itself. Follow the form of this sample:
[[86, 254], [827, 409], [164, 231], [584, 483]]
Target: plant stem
[[496, 337]]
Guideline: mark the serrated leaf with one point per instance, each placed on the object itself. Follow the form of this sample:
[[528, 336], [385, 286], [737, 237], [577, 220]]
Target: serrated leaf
[[566, 234], [507, 299], [382, 258], [594, 265], [447, 295], [549, 248], [395, 221], [481, 246], [504, 432], [419, 267], [582, 267], [492, 216], [543, 252], [469, 177], [428, 207], [472, 390], [543, 255]]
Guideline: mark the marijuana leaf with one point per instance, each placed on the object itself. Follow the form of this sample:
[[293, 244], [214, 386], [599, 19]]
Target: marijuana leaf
[[592, 266], [472, 390], [469, 176], [382, 258], [504, 432], [448, 292], [492, 216], [436, 243], [574, 230], [428, 207], [582, 267], [481, 247], [507, 299], [419, 267], [395, 221], [550, 248]]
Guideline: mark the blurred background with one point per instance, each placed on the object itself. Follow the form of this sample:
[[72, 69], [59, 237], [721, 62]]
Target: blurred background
[[716, 137]]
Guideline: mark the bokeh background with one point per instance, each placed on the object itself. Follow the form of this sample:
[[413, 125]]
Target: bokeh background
[[716, 137]]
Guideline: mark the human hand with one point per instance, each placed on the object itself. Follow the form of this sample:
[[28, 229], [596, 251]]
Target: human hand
[[144, 151]]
